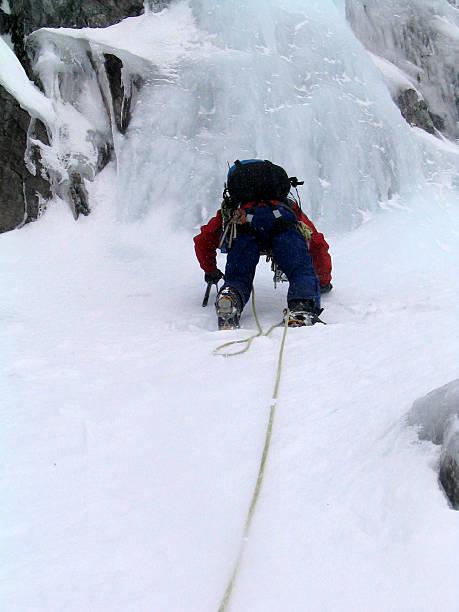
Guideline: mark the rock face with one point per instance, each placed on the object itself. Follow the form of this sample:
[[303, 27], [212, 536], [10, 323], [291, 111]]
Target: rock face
[[437, 417], [21, 191], [415, 110], [29, 15], [120, 98]]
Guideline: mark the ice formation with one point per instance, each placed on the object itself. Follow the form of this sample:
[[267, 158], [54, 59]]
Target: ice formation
[[420, 38], [284, 81]]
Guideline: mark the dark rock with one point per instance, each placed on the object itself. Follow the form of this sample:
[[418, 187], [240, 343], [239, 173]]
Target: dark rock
[[5, 23], [438, 122], [105, 156], [78, 195], [21, 192], [121, 101], [449, 464], [74, 13], [415, 110]]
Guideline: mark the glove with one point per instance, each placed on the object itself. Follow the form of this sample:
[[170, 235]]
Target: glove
[[214, 277], [326, 288]]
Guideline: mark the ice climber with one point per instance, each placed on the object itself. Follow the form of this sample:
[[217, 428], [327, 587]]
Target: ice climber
[[259, 217]]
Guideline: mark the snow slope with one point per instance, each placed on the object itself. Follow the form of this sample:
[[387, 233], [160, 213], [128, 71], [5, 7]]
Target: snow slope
[[130, 451]]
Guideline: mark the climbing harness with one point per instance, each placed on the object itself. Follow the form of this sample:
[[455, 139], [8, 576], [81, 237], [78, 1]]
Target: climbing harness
[[261, 470], [242, 217]]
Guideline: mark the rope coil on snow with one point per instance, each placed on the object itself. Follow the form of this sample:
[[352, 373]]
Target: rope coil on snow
[[248, 340]]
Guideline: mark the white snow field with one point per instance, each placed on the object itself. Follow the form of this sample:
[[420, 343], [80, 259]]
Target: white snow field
[[130, 452]]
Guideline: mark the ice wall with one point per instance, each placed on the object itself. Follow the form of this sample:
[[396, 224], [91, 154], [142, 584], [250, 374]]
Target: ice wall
[[283, 80], [286, 81]]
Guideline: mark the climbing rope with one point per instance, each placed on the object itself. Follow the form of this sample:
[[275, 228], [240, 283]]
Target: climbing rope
[[261, 470], [248, 341]]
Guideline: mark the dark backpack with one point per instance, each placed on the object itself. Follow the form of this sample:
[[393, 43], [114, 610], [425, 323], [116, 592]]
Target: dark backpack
[[256, 180]]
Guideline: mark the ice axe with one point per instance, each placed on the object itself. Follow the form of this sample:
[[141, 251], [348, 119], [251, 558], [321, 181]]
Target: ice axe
[[205, 301]]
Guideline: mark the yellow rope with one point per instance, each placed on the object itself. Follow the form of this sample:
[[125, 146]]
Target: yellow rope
[[261, 470], [248, 340]]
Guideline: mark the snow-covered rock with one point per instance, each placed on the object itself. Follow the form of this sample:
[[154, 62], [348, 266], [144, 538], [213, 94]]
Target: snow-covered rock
[[437, 417], [449, 463], [26, 164]]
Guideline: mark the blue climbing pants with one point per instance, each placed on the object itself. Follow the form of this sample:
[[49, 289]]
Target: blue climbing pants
[[289, 249]]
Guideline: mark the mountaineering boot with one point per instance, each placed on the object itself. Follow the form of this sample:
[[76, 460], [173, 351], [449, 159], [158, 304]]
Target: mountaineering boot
[[302, 312], [229, 308]]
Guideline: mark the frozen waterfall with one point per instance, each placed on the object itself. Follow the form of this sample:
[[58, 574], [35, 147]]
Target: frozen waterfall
[[286, 81]]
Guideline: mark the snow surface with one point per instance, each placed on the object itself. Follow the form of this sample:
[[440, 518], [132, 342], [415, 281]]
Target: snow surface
[[434, 413], [130, 451]]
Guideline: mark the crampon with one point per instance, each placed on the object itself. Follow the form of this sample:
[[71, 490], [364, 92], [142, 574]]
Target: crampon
[[228, 306]]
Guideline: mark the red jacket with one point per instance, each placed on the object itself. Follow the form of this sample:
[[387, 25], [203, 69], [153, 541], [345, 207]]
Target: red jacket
[[206, 244]]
